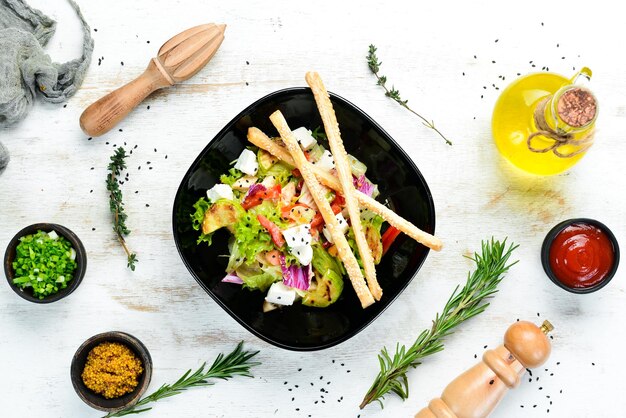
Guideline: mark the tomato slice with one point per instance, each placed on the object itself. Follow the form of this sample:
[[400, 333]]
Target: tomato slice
[[389, 237], [274, 231], [258, 197], [339, 200], [317, 222]]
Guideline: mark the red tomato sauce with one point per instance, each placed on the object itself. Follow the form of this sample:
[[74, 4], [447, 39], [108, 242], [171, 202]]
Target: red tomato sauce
[[581, 255]]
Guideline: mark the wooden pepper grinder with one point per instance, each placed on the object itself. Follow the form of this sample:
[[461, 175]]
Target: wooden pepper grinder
[[178, 59], [476, 393]]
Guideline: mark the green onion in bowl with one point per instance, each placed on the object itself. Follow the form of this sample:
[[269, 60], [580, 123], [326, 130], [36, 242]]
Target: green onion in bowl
[[45, 262]]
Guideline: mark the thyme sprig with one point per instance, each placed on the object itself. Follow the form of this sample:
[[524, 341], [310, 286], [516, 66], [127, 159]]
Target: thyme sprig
[[393, 93], [237, 363], [116, 205], [469, 301]]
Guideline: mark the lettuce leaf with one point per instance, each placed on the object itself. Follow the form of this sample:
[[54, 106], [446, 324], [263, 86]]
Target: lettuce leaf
[[280, 171], [251, 237], [201, 206], [255, 277], [232, 176]]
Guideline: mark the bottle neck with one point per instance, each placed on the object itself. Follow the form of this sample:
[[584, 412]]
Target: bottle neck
[[570, 110]]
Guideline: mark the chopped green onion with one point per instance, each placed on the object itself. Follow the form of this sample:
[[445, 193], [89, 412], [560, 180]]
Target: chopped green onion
[[45, 262]]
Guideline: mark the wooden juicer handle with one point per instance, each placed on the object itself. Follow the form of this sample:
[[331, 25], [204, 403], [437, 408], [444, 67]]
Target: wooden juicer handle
[[178, 59], [476, 393]]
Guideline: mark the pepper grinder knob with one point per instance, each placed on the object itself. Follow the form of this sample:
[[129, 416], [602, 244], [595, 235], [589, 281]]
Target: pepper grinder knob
[[476, 393]]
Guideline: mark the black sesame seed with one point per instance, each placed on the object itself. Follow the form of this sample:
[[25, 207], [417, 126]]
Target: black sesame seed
[[491, 382], [122, 62], [147, 205], [93, 229]]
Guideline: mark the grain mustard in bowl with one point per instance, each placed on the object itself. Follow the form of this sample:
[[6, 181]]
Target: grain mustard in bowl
[[111, 371]]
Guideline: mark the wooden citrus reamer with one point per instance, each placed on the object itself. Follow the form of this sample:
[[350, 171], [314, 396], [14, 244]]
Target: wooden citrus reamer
[[178, 59], [475, 393]]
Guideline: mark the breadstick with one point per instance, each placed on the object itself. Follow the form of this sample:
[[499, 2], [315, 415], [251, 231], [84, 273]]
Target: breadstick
[[325, 108], [258, 138], [343, 249]]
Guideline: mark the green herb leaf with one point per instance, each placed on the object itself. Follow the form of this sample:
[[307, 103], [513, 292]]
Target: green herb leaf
[[469, 301], [374, 66], [237, 363], [116, 205]]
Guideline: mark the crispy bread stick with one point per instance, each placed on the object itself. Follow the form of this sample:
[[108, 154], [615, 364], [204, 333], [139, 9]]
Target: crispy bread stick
[[325, 107], [343, 249]]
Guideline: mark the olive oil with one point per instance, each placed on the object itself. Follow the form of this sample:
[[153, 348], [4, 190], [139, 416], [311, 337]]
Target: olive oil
[[515, 120]]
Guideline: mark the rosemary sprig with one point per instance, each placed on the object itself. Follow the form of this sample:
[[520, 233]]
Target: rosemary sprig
[[464, 304], [374, 65], [237, 363], [116, 204]]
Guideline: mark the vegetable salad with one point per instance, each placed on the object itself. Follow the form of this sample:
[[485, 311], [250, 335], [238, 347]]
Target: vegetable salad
[[279, 242]]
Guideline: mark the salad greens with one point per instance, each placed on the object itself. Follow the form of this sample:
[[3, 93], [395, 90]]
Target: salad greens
[[279, 243]]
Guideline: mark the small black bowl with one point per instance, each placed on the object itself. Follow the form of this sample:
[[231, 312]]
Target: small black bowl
[[401, 185], [547, 243], [81, 261], [98, 401]]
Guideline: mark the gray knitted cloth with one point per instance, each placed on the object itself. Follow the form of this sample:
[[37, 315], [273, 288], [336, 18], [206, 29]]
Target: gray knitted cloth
[[25, 69]]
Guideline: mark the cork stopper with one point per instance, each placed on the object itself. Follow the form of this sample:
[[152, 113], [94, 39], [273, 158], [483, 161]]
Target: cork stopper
[[577, 107]]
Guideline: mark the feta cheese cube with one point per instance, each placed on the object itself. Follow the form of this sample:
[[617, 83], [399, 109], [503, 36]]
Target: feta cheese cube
[[304, 138], [303, 253], [247, 162], [298, 236], [298, 239], [280, 294], [326, 161], [343, 227], [220, 191]]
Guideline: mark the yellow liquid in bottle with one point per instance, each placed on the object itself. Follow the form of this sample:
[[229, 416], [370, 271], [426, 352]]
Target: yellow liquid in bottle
[[513, 120]]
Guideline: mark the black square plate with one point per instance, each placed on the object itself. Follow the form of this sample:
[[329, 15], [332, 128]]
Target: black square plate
[[401, 185]]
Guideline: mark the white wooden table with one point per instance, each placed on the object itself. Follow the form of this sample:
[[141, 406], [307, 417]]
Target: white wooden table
[[57, 175]]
